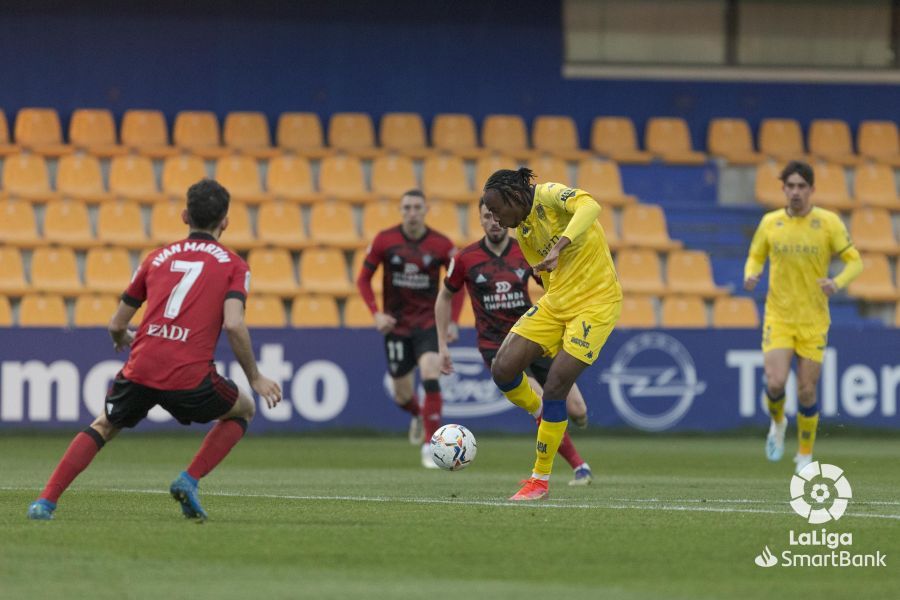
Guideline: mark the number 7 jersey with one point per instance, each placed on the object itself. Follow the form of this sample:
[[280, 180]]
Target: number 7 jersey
[[185, 285]]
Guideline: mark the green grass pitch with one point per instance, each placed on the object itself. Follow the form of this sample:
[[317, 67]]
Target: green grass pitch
[[357, 517]]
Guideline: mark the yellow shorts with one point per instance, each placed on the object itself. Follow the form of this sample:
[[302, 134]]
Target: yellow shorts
[[808, 341], [581, 332]]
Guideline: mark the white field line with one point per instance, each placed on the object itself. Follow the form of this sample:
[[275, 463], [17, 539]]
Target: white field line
[[612, 504]]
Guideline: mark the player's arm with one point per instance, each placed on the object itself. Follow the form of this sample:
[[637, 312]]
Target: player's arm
[[118, 326], [756, 258], [584, 210], [239, 340], [853, 266], [442, 319], [384, 323]]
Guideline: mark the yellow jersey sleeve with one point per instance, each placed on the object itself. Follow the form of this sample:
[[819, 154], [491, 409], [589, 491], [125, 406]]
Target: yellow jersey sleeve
[[759, 250]]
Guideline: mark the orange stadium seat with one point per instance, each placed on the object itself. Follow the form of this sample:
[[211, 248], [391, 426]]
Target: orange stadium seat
[[616, 139], [872, 231], [550, 169], [356, 313], [197, 132], [832, 191], [830, 140], [392, 175], [768, 189], [669, 139], [240, 176], [18, 226], [264, 310], [281, 224], [735, 311], [444, 178], [6, 147], [248, 133], [874, 185], [602, 180], [67, 222], [289, 177], [341, 177], [95, 310], [557, 135], [444, 218], [94, 130], [146, 132], [121, 224], [315, 311], [55, 270], [455, 133], [324, 271], [404, 133], [732, 140], [607, 220], [25, 176], [6, 319], [874, 284], [690, 272], [301, 133], [356, 268], [181, 172], [644, 225], [131, 177], [43, 310], [487, 165], [331, 224], [781, 139], [239, 234], [272, 272], [639, 272], [683, 312], [377, 217], [12, 272], [879, 141], [107, 270], [506, 134], [166, 225], [38, 130], [637, 312], [78, 176], [353, 133]]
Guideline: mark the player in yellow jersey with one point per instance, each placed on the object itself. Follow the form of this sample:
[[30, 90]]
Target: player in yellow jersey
[[558, 232], [799, 241]]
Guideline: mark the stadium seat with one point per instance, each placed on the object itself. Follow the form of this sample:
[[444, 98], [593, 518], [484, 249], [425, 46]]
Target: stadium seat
[[38, 130], [637, 312], [404, 133], [66, 222], [95, 310], [107, 270], [6, 146], [874, 284], [607, 220], [55, 270], [615, 138], [301, 133], [690, 272], [669, 139], [455, 133], [768, 189], [289, 177], [181, 172], [324, 271], [466, 314], [18, 226], [506, 134], [341, 178], [683, 312], [874, 185], [872, 231], [735, 311], [121, 224], [356, 268], [6, 319], [639, 272], [25, 176], [829, 140], [78, 177], [444, 178], [43, 310], [377, 217], [131, 177], [166, 225], [878, 141], [392, 175], [281, 224], [94, 130], [315, 311], [487, 166], [550, 169], [732, 140], [263, 310], [239, 234], [272, 272], [353, 133], [644, 225], [444, 218], [248, 133], [832, 191], [781, 139], [146, 132], [240, 176], [356, 313], [331, 224], [12, 272], [197, 132], [602, 180], [557, 135]]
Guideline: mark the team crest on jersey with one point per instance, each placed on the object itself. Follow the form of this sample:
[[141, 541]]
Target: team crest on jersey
[[566, 194], [520, 273], [540, 212], [427, 258], [815, 223], [525, 229]]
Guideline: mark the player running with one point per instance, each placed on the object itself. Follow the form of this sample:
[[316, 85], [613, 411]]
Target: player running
[[799, 241], [411, 255], [496, 274], [194, 289], [561, 239]]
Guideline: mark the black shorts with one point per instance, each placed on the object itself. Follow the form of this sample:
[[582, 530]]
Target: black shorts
[[127, 403], [538, 369], [403, 351]]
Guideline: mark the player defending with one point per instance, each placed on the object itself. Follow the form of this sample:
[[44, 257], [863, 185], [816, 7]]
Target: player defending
[[411, 256], [799, 241], [496, 274], [193, 288], [560, 237]]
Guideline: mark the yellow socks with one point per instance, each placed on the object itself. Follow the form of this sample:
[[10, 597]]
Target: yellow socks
[[776, 406], [549, 437], [519, 392], [807, 423]]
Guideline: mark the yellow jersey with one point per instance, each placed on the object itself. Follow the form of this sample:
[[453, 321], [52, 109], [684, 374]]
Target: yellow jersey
[[799, 250], [585, 274]]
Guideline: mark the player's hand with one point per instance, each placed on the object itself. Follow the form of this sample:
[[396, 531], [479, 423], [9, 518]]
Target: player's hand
[[446, 360], [549, 263], [828, 286], [384, 323], [123, 341], [267, 390], [750, 282], [452, 333]]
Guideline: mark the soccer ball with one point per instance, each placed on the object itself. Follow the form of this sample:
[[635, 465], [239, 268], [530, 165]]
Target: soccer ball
[[453, 447]]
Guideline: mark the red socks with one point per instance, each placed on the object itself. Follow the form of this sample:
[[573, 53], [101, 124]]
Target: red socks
[[216, 446], [78, 456], [411, 406], [431, 410]]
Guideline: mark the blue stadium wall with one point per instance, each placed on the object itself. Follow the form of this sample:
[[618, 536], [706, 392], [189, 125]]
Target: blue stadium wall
[[477, 57]]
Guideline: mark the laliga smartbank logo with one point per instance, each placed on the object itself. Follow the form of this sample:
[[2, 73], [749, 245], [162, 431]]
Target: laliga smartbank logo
[[819, 494]]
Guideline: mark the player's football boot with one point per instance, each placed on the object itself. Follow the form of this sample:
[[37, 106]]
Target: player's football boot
[[416, 431], [583, 475], [801, 460], [184, 489], [533, 489], [775, 440], [41, 510], [427, 457]]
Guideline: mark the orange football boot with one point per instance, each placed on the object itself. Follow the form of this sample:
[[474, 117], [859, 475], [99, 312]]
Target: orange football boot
[[533, 489]]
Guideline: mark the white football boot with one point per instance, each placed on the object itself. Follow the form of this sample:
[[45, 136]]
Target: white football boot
[[801, 461], [775, 439], [427, 457]]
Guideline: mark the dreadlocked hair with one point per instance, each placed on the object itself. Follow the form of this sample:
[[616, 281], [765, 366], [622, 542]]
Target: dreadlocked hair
[[513, 186]]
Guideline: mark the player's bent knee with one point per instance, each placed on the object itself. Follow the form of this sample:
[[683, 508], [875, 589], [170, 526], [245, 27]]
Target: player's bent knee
[[244, 408], [106, 429], [501, 371]]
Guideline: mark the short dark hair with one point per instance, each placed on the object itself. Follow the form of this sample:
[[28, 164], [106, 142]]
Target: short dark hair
[[513, 186], [207, 204], [414, 192], [800, 168]]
